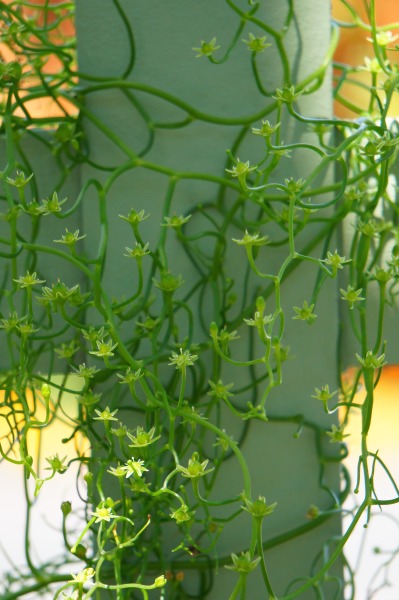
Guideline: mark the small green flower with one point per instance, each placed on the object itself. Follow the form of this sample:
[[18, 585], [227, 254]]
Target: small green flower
[[102, 513], [66, 134], [224, 336], [52, 205], [105, 415], [138, 252], [10, 72], [182, 360], [222, 442], [282, 351], [86, 372], [351, 295], [20, 180], [337, 434], [168, 282], [118, 471], [320, 129], [134, 467], [256, 44], [143, 438], [324, 394], [336, 262], [285, 215], [241, 169], [259, 320], [13, 322], [372, 148], [12, 33], [182, 514], [281, 152], [28, 280], [67, 350], [252, 240], [255, 412], [77, 299], [194, 469], [56, 463], [219, 390], [149, 323], [92, 334], [70, 238], [121, 431], [139, 486], [382, 275], [287, 95], [371, 361], [243, 563], [12, 213], [103, 348], [388, 140], [134, 218], [89, 398], [258, 509], [266, 129], [130, 376], [305, 313], [175, 221], [294, 186], [384, 38], [26, 329], [355, 194], [373, 227], [206, 48], [58, 294], [84, 575], [372, 65]]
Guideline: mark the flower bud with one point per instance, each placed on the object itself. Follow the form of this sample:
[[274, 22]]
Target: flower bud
[[260, 304], [88, 478], [80, 551], [160, 581], [213, 329], [46, 392], [66, 507]]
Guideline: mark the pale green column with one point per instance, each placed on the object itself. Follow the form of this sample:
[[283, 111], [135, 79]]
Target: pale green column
[[284, 468]]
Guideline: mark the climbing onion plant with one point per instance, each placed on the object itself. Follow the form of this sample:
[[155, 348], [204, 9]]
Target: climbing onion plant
[[151, 365]]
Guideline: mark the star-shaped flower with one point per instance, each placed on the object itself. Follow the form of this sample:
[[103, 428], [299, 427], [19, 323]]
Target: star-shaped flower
[[105, 415], [206, 48]]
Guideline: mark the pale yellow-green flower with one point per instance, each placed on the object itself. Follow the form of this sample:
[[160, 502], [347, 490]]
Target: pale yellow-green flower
[[134, 467], [102, 513], [83, 576]]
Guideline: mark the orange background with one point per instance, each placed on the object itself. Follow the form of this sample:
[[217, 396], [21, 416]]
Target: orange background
[[353, 47]]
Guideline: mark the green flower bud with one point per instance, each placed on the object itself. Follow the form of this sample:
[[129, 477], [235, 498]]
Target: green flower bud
[[243, 563], [66, 507], [46, 392]]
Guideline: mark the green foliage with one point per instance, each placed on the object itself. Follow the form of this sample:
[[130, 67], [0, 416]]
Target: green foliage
[[150, 366]]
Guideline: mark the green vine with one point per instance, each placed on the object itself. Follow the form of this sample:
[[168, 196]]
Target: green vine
[[166, 372]]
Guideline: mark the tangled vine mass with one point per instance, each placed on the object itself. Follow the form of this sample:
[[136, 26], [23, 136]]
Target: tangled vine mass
[[176, 347]]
